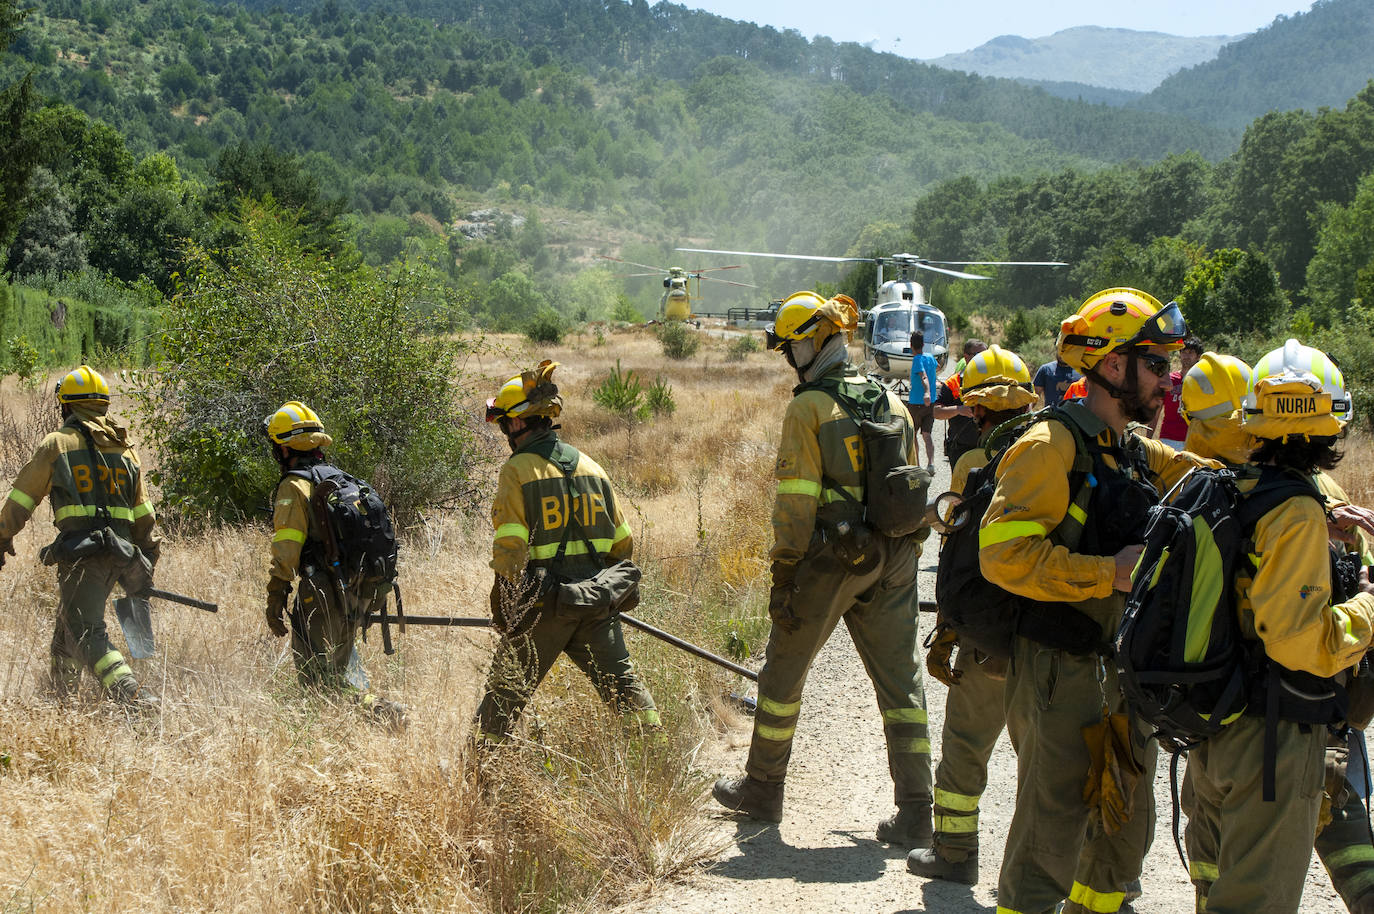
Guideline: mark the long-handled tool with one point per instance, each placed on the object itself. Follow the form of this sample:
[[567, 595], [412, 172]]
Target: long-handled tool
[[481, 621], [135, 618]]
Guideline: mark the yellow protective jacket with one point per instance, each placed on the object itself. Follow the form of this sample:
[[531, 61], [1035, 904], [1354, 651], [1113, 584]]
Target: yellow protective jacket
[[292, 526], [819, 439], [65, 470], [1287, 605], [534, 502], [1032, 498]]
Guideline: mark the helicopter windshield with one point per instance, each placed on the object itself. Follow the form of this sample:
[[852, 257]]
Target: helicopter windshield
[[895, 327]]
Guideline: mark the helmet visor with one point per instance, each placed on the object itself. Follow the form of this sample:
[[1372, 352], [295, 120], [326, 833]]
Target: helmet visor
[[771, 338], [1165, 328], [494, 412]]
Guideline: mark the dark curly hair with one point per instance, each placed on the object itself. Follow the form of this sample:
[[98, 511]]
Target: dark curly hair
[[1303, 453]]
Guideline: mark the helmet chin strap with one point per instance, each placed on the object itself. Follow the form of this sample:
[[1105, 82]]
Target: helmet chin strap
[[1131, 403], [800, 354]]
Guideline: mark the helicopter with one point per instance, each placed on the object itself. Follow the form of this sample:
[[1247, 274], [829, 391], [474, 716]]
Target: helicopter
[[676, 302], [900, 307]]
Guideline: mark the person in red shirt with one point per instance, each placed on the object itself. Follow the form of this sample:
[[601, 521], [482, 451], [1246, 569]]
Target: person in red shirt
[[1172, 429]]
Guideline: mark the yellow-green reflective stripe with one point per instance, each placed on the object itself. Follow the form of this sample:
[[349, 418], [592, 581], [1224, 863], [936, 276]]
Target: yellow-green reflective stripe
[[1002, 910], [109, 660], [549, 550], [647, 716], [90, 511], [519, 531], [1098, 902], [957, 825], [915, 745], [905, 716], [778, 734], [1202, 903], [22, 500], [999, 531], [1358, 853], [1345, 617], [957, 801], [833, 495], [492, 737], [1207, 584], [1207, 872], [143, 510], [622, 531], [1078, 514], [799, 487], [778, 708], [288, 534]]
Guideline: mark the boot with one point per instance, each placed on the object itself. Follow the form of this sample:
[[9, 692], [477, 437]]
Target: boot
[[756, 799], [388, 714], [909, 826], [1363, 905], [1133, 891], [927, 862]]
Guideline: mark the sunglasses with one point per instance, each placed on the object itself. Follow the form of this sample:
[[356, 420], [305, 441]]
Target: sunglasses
[[1158, 365]]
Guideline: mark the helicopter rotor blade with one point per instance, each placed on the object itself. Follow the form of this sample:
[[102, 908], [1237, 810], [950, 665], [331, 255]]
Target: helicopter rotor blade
[[647, 266], [733, 266], [780, 256], [999, 263], [728, 282], [955, 273]]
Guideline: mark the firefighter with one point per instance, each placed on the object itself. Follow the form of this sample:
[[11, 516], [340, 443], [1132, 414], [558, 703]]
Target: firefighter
[[106, 532], [557, 521], [326, 616], [828, 566], [1249, 844], [1212, 403], [997, 387], [1073, 568]]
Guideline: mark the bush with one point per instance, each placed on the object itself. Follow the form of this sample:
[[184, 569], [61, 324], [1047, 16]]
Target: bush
[[659, 398], [1017, 332], [741, 347], [546, 327], [272, 320], [625, 312], [678, 342], [23, 358], [621, 393]]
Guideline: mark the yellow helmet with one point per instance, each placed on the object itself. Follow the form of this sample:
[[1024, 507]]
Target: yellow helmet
[[803, 315], [997, 379], [527, 395], [1114, 319], [296, 426], [1215, 387], [85, 387], [1298, 390]]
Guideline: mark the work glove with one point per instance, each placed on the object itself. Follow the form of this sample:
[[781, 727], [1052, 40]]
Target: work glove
[[276, 610], [1335, 790], [941, 644], [1110, 790], [6, 546], [780, 598]]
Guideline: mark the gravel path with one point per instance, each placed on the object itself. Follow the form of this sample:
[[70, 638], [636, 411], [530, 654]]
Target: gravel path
[[824, 857]]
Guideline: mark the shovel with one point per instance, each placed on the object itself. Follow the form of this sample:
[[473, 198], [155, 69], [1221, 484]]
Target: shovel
[[135, 618]]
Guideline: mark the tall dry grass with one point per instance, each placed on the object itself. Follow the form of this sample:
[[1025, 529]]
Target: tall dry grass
[[244, 794]]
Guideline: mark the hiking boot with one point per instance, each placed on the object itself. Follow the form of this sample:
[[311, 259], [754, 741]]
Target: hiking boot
[[756, 799], [388, 714], [909, 826], [927, 862], [1134, 891]]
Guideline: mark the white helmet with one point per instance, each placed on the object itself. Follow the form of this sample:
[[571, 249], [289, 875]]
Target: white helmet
[[1297, 390]]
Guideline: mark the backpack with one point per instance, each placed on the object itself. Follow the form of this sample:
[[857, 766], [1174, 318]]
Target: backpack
[[984, 615], [895, 492], [358, 543], [1185, 667]]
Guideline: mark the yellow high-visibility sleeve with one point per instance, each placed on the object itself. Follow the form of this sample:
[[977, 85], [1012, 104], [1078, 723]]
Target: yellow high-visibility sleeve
[[290, 526]]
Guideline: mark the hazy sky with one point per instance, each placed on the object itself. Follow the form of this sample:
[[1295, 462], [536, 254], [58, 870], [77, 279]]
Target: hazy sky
[[930, 28]]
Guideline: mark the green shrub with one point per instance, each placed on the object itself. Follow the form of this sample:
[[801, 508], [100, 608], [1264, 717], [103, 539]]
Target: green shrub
[[272, 320], [621, 392], [625, 312], [546, 327], [1017, 332], [678, 342], [23, 358], [659, 398], [742, 346]]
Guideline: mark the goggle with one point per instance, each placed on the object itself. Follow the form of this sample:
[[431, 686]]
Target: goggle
[[775, 340], [495, 412], [1165, 326]]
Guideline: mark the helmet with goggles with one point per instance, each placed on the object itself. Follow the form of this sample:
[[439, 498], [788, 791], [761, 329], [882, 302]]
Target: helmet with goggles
[[84, 387], [528, 395], [1116, 319], [805, 315], [296, 426]]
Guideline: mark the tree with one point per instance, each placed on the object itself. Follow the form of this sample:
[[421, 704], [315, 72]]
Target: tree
[[1230, 293], [46, 242], [19, 148], [1342, 269]]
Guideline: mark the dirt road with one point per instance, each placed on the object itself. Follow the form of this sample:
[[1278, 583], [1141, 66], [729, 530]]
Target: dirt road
[[824, 857]]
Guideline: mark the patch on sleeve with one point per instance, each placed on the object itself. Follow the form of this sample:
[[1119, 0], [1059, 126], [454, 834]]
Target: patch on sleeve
[[784, 464], [1014, 509]]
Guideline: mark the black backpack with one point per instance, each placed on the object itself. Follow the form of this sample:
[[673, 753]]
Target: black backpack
[[358, 544], [985, 616], [1184, 665]]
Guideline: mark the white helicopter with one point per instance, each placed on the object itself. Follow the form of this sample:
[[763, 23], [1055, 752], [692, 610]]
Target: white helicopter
[[900, 307]]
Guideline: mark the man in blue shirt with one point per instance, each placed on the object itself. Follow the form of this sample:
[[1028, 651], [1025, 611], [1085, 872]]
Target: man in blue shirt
[[1052, 381], [925, 387]]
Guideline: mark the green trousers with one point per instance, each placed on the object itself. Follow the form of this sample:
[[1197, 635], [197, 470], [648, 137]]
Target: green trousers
[[1053, 850], [1245, 854], [523, 658], [880, 610], [324, 631], [80, 638], [974, 718], [1346, 852]]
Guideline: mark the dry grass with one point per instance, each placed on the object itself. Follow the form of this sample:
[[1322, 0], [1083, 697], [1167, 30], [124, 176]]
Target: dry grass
[[245, 795]]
